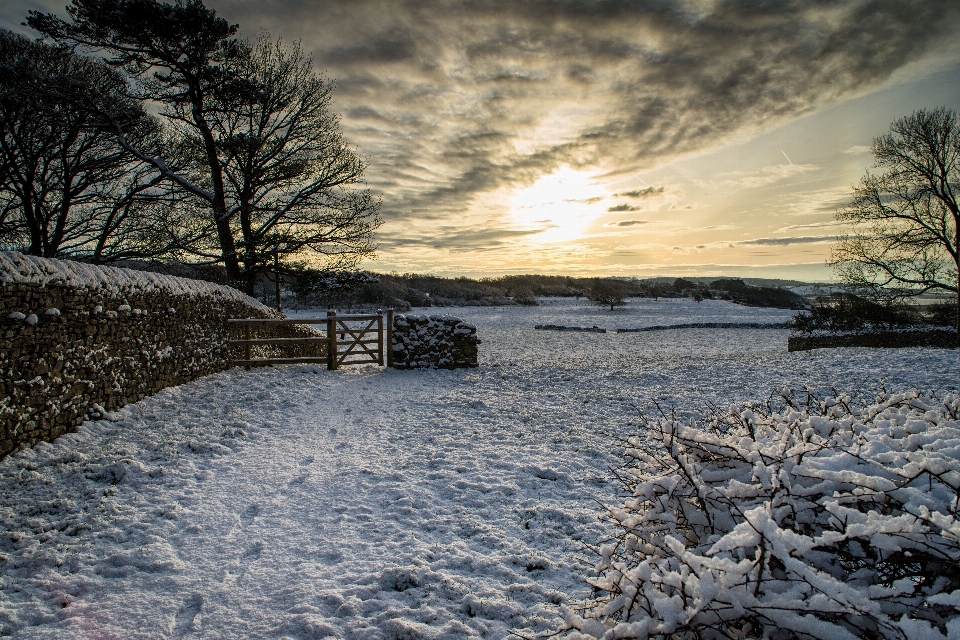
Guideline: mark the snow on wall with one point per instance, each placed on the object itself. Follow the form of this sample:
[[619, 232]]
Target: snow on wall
[[433, 342], [78, 339], [112, 281]]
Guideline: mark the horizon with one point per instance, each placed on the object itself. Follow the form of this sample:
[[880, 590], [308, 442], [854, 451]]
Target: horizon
[[696, 139]]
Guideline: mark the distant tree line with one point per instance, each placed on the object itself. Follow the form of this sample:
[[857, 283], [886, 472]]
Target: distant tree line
[[403, 291], [141, 130]]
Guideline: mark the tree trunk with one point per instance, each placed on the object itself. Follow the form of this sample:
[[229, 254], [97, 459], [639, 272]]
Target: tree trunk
[[228, 247], [228, 250], [35, 226]]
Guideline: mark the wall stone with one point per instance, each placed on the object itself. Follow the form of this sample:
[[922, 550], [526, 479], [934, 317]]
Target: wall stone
[[433, 342], [939, 338], [71, 347]]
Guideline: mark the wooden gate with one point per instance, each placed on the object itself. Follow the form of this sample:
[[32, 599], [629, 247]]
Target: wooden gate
[[349, 339]]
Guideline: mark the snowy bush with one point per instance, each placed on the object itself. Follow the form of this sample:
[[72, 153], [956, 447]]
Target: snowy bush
[[814, 519]]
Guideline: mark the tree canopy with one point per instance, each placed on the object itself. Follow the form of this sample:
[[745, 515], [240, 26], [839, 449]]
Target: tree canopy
[[250, 143], [608, 292], [289, 175], [67, 188]]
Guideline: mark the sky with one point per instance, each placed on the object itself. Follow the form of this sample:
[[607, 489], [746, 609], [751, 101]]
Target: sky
[[613, 137]]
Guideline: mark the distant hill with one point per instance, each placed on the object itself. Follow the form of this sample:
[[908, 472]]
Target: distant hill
[[755, 282]]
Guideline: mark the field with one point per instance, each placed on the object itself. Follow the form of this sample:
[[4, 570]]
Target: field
[[296, 502]]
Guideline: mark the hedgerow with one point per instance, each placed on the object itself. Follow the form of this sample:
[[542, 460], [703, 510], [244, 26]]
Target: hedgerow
[[806, 519]]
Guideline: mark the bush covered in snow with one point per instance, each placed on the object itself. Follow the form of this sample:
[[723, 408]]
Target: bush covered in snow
[[813, 519]]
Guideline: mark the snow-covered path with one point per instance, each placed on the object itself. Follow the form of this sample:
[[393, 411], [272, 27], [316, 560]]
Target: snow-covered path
[[370, 503], [361, 503]]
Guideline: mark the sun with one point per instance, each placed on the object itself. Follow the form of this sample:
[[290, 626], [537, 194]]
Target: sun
[[561, 204]]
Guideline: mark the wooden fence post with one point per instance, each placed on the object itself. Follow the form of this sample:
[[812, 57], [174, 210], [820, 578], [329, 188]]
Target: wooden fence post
[[246, 335], [380, 337], [276, 277], [388, 342], [332, 334]]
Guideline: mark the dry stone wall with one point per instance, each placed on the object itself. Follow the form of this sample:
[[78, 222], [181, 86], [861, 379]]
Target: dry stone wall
[[79, 339], [433, 342], [939, 338]]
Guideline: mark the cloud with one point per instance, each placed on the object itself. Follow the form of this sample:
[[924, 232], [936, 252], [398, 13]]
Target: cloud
[[395, 45], [771, 174], [858, 149], [624, 207], [813, 225], [447, 100], [788, 241], [460, 239], [649, 192], [627, 223], [762, 242], [634, 83]]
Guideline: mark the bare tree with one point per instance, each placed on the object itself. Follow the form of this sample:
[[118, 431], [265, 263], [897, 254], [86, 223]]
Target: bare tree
[[144, 218], [292, 183], [61, 171], [177, 54], [262, 149], [907, 237], [12, 231]]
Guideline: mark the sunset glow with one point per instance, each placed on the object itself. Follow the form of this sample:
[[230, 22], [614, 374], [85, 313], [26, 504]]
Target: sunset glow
[[595, 137], [562, 204]]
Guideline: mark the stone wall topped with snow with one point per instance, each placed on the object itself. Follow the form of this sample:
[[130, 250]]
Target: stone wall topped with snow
[[79, 339], [433, 342], [938, 338]]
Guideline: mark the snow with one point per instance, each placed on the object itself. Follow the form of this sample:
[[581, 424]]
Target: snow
[[22, 269], [296, 502], [855, 514]]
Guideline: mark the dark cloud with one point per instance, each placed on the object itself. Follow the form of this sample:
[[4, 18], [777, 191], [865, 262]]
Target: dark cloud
[[653, 79], [624, 207], [627, 223], [445, 98], [392, 46], [786, 241], [457, 239], [649, 192], [580, 73]]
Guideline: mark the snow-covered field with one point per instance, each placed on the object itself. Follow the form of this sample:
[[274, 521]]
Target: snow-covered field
[[370, 503]]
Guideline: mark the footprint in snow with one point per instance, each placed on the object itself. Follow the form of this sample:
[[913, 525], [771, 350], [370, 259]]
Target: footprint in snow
[[300, 479], [183, 621], [236, 570], [249, 515], [546, 474], [251, 553]]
